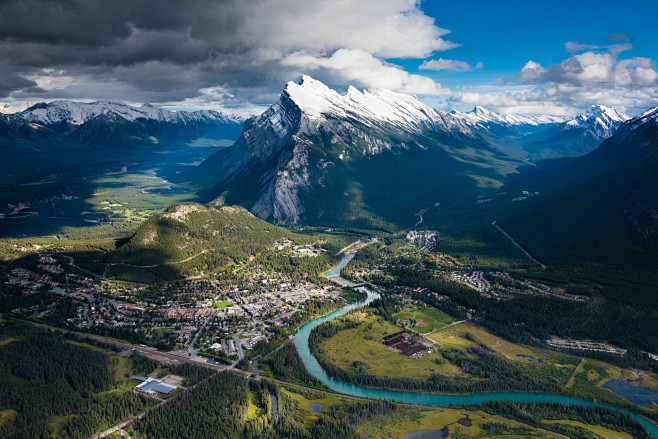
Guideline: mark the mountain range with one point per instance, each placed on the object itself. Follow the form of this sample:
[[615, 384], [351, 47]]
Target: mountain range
[[603, 205], [111, 123], [509, 124], [541, 137], [319, 157], [377, 159], [575, 137]]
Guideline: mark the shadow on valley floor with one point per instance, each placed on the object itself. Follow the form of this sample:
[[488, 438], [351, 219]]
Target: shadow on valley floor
[[105, 199]]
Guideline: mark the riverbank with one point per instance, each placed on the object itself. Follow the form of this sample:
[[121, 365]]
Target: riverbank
[[301, 343]]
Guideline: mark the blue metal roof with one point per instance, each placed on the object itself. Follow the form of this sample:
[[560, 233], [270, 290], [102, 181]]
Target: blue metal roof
[[138, 378], [163, 388], [147, 386]]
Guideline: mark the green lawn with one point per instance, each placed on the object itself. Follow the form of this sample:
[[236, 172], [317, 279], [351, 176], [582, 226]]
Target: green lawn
[[601, 431], [398, 426], [415, 316], [437, 315], [254, 411], [364, 343], [432, 318], [225, 304]]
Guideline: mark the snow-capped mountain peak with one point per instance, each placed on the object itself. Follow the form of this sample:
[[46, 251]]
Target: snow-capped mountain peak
[[77, 113], [483, 117], [316, 101], [600, 120], [650, 113], [598, 114]]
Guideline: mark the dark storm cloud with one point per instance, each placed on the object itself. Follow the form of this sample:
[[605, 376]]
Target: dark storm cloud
[[170, 49], [10, 81]]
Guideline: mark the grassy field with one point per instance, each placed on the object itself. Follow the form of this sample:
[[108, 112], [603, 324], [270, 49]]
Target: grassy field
[[419, 321], [6, 341], [303, 404], [457, 337], [433, 319], [254, 411], [437, 315], [225, 304], [605, 433], [394, 427], [364, 343]]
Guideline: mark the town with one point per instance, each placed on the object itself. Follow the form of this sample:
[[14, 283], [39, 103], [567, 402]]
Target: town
[[215, 318]]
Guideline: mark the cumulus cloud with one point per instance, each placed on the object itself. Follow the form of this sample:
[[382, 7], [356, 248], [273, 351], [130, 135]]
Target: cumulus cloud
[[447, 64], [165, 50], [363, 69], [591, 74], [593, 67], [565, 99]]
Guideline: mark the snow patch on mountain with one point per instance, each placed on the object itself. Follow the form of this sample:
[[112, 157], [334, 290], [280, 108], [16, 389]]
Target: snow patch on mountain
[[480, 116], [395, 110], [599, 119], [78, 113]]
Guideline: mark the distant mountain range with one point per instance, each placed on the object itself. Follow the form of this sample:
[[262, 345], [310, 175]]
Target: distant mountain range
[[602, 205], [506, 124], [541, 137], [575, 137], [112, 124]]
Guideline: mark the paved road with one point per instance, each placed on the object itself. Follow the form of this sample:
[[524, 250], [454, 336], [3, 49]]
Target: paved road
[[182, 356], [238, 345], [173, 357]]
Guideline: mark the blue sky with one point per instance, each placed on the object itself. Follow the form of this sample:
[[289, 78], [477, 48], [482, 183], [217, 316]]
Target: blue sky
[[506, 55], [505, 34]]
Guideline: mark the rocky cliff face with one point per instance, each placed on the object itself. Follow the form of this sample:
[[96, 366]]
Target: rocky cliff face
[[286, 157]]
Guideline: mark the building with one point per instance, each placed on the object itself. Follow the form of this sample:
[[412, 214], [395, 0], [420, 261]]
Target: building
[[151, 385]]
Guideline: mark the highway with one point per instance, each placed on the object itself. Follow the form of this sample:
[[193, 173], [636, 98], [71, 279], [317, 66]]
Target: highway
[[173, 357], [176, 357]]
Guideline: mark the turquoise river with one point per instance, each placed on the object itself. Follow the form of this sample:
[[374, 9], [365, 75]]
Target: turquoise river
[[311, 363]]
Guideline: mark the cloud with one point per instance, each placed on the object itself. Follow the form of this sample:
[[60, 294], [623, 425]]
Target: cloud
[[447, 64], [165, 50], [575, 47], [618, 37], [593, 67], [565, 99], [591, 75], [360, 68]]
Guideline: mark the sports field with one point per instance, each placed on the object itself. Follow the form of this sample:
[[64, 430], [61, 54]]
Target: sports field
[[423, 319]]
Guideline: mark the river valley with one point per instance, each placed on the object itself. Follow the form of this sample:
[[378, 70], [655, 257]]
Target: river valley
[[301, 343]]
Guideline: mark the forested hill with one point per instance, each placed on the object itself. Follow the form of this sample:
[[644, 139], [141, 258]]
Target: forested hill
[[189, 238]]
